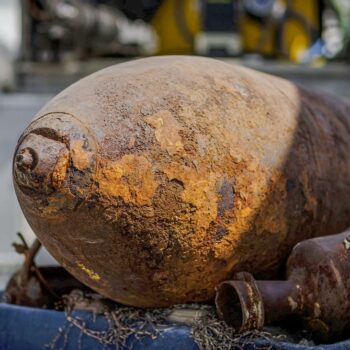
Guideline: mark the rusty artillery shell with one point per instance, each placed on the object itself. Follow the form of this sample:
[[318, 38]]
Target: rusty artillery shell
[[154, 180], [316, 291]]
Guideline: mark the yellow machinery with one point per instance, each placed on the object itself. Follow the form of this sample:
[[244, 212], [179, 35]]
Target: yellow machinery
[[177, 22], [286, 32], [286, 35]]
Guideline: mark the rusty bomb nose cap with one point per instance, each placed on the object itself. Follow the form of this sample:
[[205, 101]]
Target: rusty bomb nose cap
[[55, 156], [41, 164]]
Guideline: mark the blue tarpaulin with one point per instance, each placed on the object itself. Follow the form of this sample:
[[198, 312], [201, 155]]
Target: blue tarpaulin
[[23, 328]]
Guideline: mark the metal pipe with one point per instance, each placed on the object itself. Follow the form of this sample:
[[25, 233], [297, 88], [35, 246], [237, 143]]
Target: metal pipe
[[249, 304]]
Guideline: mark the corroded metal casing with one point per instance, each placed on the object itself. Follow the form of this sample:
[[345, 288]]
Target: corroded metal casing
[[152, 181]]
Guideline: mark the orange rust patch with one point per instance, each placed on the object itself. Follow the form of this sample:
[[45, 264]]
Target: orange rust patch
[[131, 178], [167, 131], [60, 170], [80, 157]]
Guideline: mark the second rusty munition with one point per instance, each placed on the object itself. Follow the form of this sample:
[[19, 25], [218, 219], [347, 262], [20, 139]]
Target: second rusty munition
[[316, 290]]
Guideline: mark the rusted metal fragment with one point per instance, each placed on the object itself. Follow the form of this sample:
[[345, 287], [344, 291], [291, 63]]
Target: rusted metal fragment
[[38, 286], [183, 170]]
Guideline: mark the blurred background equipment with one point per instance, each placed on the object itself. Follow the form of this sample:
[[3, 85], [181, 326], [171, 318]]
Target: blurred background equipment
[[56, 27], [299, 31], [177, 22], [220, 29], [336, 28], [283, 29]]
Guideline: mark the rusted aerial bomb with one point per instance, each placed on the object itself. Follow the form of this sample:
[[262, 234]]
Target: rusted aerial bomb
[[153, 181]]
